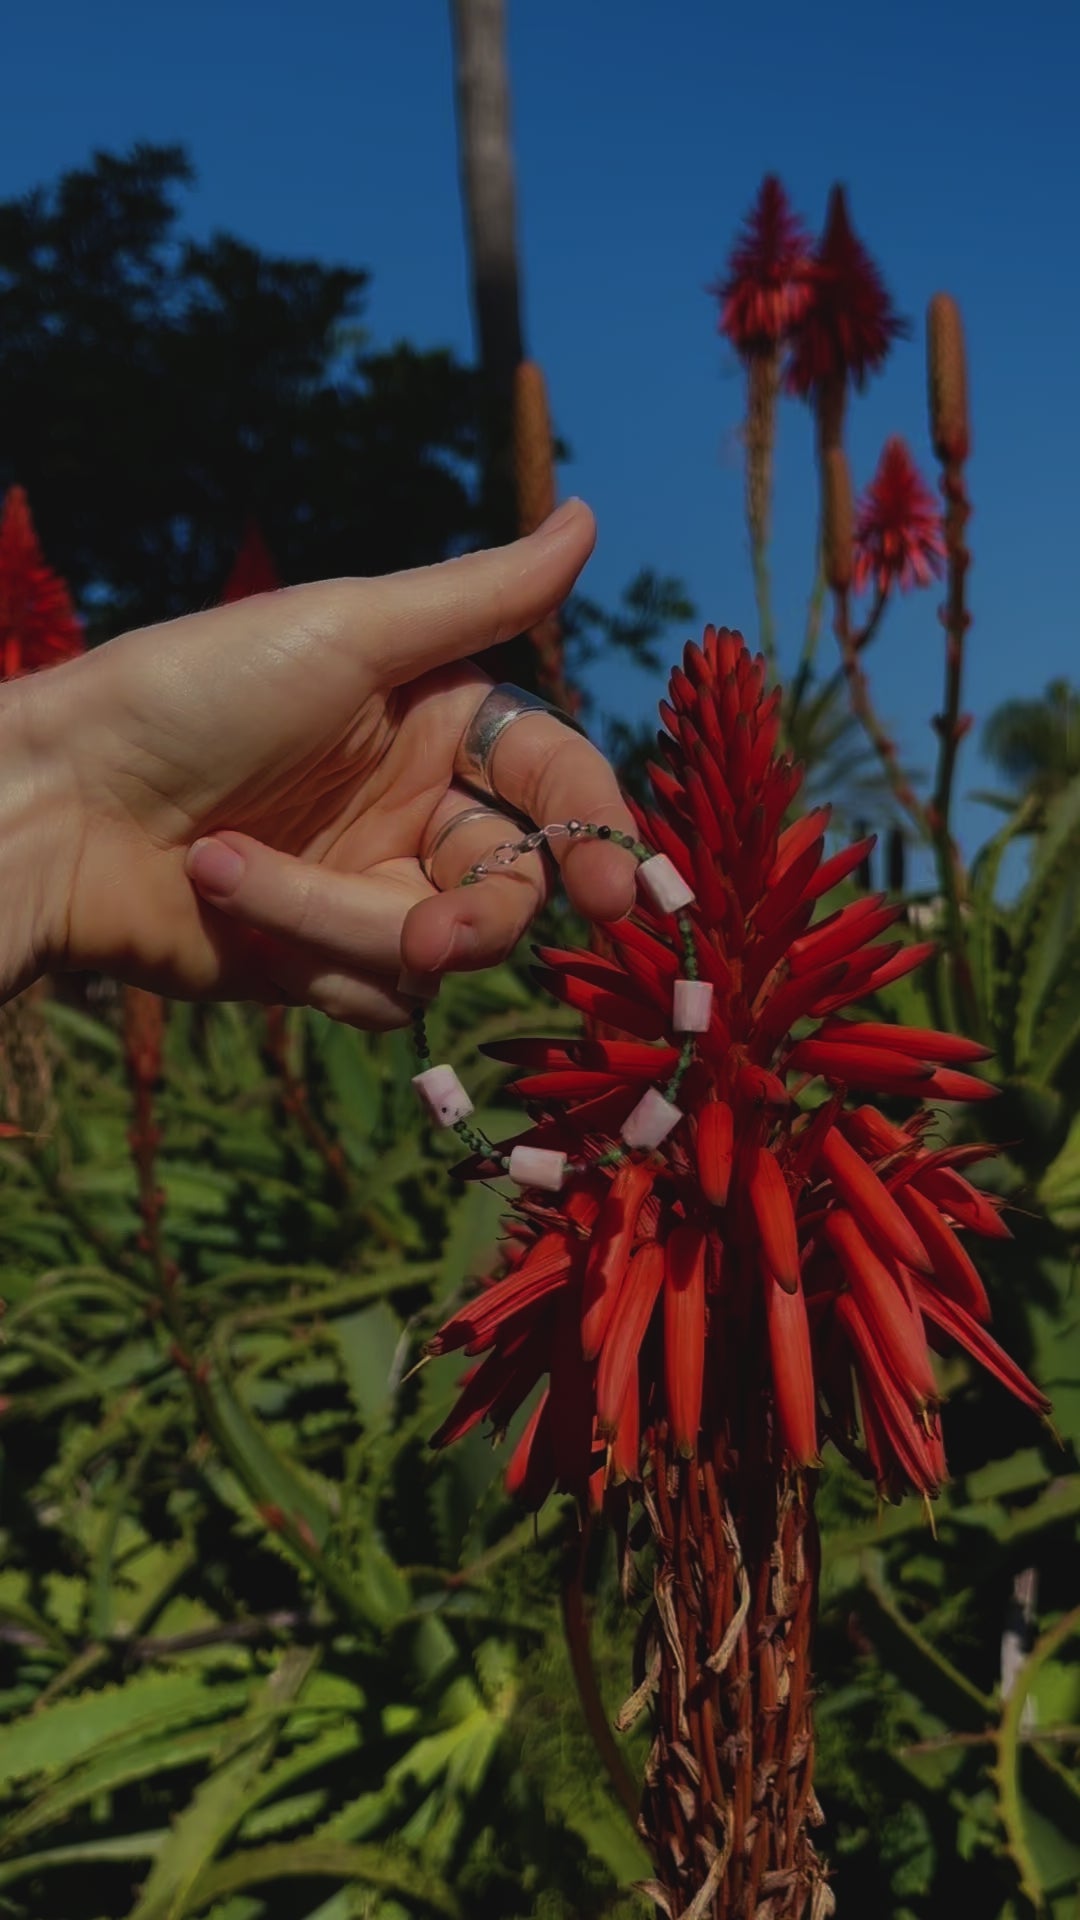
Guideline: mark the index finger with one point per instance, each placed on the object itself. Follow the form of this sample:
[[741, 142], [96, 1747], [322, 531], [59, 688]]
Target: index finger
[[552, 775]]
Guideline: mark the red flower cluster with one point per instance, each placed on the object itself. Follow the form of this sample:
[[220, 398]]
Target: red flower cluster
[[38, 624], [253, 570], [848, 323], [768, 278], [898, 537], [785, 1252]]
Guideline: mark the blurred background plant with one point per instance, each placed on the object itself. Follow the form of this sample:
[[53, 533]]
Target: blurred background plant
[[262, 1655]]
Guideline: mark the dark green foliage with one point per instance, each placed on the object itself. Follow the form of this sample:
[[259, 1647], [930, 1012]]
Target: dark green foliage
[[261, 1652]]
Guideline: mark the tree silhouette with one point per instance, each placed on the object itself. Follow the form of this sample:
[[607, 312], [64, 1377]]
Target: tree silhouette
[[158, 393]]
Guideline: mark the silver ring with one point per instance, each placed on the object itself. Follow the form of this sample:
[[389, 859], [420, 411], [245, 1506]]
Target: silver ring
[[501, 707], [456, 820]]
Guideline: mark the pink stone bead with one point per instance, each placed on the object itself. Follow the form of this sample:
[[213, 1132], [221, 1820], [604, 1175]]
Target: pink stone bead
[[443, 1095], [537, 1167], [692, 1009], [651, 1120], [664, 884]]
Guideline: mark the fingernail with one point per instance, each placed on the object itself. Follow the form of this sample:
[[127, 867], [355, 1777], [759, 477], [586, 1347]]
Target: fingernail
[[463, 948], [215, 867], [418, 986], [561, 515]]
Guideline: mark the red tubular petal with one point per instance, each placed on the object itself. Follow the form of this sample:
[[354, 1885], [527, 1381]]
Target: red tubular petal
[[883, 1302], [859, 1066], [923, 1043], [794, 841], [903, 962], [626, 1440], [565, 1083], [792, 1370], [945, 1084], [792, 1000], [715, 1148], [596, 971], [968, 1205], [613, 1009], [760, 1088], [604, 1114], [780, 902], [684, 1334], [871, 1202], [627, 1058], [530, 1475], [708, 885], [628, 936], [896, 1435], [833, 871], [953, 1269], [501, 1381], [953, 1320], [541, 1271], [626, 1331], [609, 1252], [572, 1380], [852, 926], [873, 1134], [668, 790], [770, 1200]]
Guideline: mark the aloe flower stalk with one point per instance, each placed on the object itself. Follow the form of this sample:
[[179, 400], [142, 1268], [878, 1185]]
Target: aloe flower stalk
[[696, 1321], [38, 624]]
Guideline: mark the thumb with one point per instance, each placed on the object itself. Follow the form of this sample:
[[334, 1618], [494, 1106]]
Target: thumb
[[430, 616]]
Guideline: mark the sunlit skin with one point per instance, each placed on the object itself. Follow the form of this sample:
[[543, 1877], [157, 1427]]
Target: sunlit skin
[[236, 804]]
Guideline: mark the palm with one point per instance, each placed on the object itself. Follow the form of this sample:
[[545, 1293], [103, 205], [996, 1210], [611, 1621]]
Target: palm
[[309, 760], [245, 795]]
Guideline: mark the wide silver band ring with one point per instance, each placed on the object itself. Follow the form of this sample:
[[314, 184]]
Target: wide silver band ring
[[501, 707]]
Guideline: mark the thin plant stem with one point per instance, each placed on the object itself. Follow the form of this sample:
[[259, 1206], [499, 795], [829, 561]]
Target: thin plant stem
[[576, 1627], [951, 728], [863, 708], [763, 389]]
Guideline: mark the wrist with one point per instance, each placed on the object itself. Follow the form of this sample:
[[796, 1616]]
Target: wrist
[[37, 856]]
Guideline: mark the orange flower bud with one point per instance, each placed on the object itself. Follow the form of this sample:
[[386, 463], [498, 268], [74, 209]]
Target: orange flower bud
[[534, 462], [950, 428]]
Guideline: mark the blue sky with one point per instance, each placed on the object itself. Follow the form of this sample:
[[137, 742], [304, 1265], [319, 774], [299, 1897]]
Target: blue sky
[[641, 134]]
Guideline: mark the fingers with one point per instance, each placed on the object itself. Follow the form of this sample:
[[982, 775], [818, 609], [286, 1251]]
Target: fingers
[[463, 928], [352, 919], [412, 622], [346, 936], [551, 774]]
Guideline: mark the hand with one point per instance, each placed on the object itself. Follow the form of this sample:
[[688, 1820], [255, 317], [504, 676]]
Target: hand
[[235, 805]]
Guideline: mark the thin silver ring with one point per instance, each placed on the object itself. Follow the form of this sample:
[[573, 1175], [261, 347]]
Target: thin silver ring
[[497, 711], [456, 820]]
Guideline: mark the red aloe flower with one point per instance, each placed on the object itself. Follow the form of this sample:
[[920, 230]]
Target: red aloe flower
[[856, 1220], [898, 536], [767, 284], [38, 624], [704, 1315], [253, 570], [849, 322]]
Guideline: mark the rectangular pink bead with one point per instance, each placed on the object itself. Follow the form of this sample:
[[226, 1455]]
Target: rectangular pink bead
[[664, 884], [537, 1167], [443, 1095], [651, 1120], [692, 1006]]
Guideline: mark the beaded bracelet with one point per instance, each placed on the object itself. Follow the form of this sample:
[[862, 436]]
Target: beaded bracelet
[[656, 1113]]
